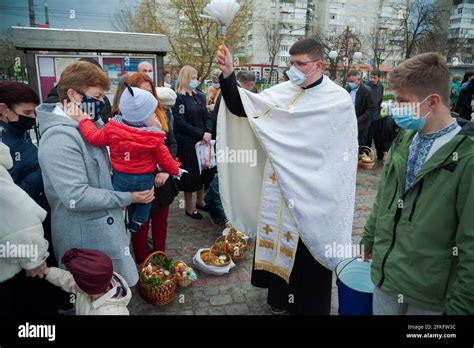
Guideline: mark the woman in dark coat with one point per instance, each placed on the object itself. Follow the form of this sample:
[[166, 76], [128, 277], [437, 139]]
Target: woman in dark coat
[[17, 117], [191, 125]]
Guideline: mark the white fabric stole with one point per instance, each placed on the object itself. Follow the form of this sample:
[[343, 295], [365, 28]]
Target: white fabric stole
[[277, 237]]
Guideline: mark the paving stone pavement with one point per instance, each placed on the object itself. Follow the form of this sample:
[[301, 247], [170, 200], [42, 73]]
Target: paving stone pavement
[[232, 294]]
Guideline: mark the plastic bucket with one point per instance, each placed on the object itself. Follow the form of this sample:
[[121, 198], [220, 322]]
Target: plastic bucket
[[355, 288]]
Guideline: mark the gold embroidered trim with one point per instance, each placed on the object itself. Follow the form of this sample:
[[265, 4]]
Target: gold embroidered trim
[[273, 178], [263, 266], [267, 229], [286, 252], [266, 244], [295, 100]]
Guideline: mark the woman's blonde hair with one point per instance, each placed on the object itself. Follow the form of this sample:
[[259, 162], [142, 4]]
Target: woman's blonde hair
[[185, 76], [136, 80], [120, 88]]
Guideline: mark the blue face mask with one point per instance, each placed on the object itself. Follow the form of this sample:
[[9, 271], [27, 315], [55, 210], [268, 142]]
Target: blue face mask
[[352, 85], [296, 76], [216, 85], [92, 107], [193, 84], [404, 118]]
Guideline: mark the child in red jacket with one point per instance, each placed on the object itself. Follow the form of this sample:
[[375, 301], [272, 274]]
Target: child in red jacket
[[137, 146]]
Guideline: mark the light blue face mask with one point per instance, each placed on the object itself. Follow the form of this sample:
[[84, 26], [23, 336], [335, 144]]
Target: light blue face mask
[[296, 76], [193, 84], [404, 117], [216, 85], [352, 85]]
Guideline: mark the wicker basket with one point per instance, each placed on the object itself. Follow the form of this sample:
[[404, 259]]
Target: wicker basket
[[367, 151], [157, 295], [218, 253], [183, 282], [221, 245]]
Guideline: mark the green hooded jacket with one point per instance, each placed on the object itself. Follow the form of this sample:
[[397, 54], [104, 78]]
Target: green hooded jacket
[[422, 241]]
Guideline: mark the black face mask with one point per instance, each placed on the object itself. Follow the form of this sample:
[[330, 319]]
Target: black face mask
[[92, 107], [24, 123]]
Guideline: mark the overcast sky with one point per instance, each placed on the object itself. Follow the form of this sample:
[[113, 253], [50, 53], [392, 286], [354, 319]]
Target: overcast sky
[[90, 14]]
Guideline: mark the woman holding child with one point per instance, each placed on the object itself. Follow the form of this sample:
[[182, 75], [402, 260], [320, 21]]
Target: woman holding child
[[86, 210]]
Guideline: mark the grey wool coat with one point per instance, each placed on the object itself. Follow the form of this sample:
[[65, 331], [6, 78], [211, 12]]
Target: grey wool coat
[[86, 212]]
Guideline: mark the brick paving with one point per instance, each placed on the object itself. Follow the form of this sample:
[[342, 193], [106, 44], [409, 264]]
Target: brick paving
[[232, 294]]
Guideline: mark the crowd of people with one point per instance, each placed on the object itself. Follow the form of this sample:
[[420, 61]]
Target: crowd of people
[[100, 180]]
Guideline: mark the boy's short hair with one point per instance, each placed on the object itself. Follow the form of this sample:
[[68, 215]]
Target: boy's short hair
[[422, 75], [375, 73], [79, 76]]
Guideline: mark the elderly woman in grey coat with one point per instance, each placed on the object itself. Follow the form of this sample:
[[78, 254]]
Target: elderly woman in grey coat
[[86, 211]]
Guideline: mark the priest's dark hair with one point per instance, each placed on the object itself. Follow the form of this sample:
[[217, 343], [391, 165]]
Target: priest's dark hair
[[311, 47]]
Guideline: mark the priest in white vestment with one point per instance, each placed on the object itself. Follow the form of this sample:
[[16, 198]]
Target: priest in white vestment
[[297, 198]]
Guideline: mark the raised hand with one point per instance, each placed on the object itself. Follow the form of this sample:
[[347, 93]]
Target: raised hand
[[225, 62]]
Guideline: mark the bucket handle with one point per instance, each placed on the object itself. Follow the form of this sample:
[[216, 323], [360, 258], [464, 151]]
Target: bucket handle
[[347, 264]]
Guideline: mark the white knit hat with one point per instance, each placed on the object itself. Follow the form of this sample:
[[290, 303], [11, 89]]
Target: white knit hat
[[166, 96], [136, 105]]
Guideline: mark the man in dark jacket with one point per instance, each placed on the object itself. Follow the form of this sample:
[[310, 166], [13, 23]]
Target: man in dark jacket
[[106, 111], [376, 130], [363, 102]]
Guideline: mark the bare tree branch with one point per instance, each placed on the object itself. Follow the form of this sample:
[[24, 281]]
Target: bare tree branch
[[273, 40], [193, 39]]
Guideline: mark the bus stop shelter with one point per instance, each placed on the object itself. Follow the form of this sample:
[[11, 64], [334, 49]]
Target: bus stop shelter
[[48, 51]]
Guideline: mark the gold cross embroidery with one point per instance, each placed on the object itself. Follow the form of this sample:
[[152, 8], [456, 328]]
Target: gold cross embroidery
[[273, 178], [268, 229], [288, 236]]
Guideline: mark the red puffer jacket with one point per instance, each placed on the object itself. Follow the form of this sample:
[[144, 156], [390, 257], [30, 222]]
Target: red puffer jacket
[[132, 150]]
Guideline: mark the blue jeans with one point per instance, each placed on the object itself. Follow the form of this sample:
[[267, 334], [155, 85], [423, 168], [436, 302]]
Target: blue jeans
[[130, 183], [213, 200]]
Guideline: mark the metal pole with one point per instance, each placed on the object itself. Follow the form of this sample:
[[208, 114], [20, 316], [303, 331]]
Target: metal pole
[[46, 15], [309, 9], [31, 10]]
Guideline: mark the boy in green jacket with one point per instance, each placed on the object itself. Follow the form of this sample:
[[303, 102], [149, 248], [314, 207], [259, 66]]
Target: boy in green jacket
[[420, 234]]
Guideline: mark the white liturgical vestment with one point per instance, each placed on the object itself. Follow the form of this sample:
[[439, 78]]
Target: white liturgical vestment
[[302, 184]]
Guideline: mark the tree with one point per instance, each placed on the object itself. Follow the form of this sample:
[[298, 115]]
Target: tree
[[421, 27], [458, 48], [194, 40], [345, 44], [273, 40], [9, 55], [382, 44]]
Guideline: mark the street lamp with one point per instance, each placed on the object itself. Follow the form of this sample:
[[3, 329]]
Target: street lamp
[[357, 58], [333, 55]]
